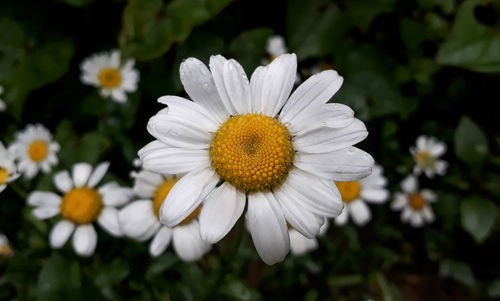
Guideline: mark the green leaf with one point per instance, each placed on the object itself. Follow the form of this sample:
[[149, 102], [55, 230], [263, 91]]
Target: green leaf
[[234, 289], [478, 217], [459, 271], [494, 289], [471, 45], [471, 145], [247, 48], [59, 279], [77, 3], [150, 27]]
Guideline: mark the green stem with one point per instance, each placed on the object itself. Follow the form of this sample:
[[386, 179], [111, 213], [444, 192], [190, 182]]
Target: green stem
[[21, 192], [384, 287]]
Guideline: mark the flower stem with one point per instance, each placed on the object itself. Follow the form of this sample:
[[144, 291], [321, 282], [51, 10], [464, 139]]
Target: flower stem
[[21, 192]]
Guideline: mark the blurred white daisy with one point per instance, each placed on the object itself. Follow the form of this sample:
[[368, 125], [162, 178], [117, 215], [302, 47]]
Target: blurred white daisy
[[106, 71], [5, 248], [300, 245], [34, 150], [275, 47], [3, 106], [8, 170], [80, 205], [414, 203], [426, 155], [355, 195], [279, 152], [140, 221]]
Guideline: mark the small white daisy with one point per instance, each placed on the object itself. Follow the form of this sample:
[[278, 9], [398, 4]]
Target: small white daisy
[[8, 170], [80, 205], [426, 155], [300, 245], [34, 150], [414, 203], [106, 71], [254, 142], [3, 106], [140, 221], [355, 194], [5, 248], [276, 46]]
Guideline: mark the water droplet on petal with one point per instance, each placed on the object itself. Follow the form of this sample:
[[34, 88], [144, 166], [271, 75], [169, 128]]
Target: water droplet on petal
[[351, 150]]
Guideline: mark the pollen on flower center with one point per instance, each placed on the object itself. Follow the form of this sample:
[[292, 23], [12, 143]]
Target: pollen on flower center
[[417, 202], [109, 78], [3, 175], [161, 193], [424, 158], [38, 150], [252, 152], [349, 190], [81, 205]]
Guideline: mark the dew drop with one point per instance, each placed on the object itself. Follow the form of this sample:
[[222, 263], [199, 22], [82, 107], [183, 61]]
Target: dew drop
[[351, 150]]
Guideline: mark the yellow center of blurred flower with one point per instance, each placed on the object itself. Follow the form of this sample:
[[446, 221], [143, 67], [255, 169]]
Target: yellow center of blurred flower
[[161, 194], [3, 175], [6, 251], [38, 150], [252, 152], [425, 159], [110, 78], [349, 190], [81, 205], [272, 57], [417, 202]]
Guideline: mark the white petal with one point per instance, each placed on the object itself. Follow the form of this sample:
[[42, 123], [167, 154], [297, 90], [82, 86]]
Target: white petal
[[268, 228], [60, 233], [108, 220], [119, 95], [146, 183], [416, 220], [299, 244], [85, 240], [63, 181], [407, 214], [422, 142], [186, 196], [43, 199], [348, 164], [410, 184], [220, 211], [359, 212], [342, 218], [317, 89], [160, 241], [429, 195], [330, 115], [81, 174], [441, 167], [256, 83], [400, 201], [428, 214], [46, 212], [138, 220], [374, 195], [98, 174], [188, 243], [438, 149], [115, 195]]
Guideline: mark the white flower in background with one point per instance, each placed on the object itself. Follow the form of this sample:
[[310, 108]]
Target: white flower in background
[[106, 71], [279, 152], [140, 219], [5, 248], [275, 47], [356, 194], [3, 106], [80, 205], [414, 203], [426, 155], [34, 150], [8, 170], [300, 245]]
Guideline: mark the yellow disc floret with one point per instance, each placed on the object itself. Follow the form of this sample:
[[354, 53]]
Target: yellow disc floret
[[110, 78], [3, 175], [81, 205], [417, 202], [425, 159], [38, 150], [349, 190], [252, 152]]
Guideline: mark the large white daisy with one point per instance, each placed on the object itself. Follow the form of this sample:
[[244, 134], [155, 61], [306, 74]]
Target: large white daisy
[[140, 219], [414, 203], [106, 71], [300, 245], [8, 169], [3, 106], [34, 150], [426, 155], [80, 205], [355, 195], [249, 142]]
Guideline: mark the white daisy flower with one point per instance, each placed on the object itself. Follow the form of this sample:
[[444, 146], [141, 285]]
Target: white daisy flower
[[426, 155], [276, 46], [242, 141], [355, 195], [5, 248], [3, 106], [34, 150], [414, 203], [140, 219], [106, 71], [300, 245], [8, 170], [80, 205]]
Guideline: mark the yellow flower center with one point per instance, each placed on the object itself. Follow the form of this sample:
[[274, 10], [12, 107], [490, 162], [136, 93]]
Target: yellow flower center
[[252, 152], [81, 205], [417, 202], [425, 159], [6, 251], [161, 194], [3, 175], [38, 150], [110, 78], [349, 190], [272, 57]]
